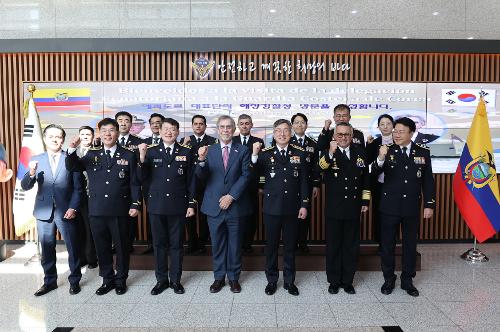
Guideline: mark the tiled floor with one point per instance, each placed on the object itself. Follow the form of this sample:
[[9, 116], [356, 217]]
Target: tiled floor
[[455, 296]]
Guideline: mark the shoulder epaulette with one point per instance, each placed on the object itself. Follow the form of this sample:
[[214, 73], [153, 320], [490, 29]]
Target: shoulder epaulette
[[268, 148], [185, 146], [297, 147], [423, 146], [152, 145], [390, 144], [312, 139], [95, 148], [128, 148]]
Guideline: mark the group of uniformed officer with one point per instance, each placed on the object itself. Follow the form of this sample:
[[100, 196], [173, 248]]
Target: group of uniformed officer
[[288, 174]]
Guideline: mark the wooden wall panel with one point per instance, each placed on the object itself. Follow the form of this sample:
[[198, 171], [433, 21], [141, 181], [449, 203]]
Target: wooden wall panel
[[176, 66]]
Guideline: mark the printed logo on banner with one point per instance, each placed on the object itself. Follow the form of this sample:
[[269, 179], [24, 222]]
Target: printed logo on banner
[[466, 97], [203, 67]]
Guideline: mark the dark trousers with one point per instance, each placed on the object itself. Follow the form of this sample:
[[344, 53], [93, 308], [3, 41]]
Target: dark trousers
[[342, 250], [390, 227], [108, 230], [249, 223], [167, 239], [87, 247], [196, 240], [304, 225], [47, 237], [376, 222], [226, 246], [287, 227], [132, 231]]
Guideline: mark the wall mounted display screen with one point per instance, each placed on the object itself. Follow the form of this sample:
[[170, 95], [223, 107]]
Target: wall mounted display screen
[[442, 111]]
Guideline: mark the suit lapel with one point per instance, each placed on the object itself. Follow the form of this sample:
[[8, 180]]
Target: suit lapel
[[216, 152], [235, 149], [60, 164], [49, 169]]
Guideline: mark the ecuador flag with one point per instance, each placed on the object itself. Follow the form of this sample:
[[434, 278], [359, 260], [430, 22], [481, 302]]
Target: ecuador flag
[[70, 99], [475, 184]]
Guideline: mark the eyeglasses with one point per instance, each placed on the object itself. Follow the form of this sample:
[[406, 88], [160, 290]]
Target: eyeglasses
[[282, 131], [299, 122], [342, 134], [225, 127], [400, 132]]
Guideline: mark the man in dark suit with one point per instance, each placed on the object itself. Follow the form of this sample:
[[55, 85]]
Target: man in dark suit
[[249, 226], [87, 247], [114, 195], [283, 168], [341, 113], [168, 205], [226, 169], [197, 241], [299, 125], [407, 173], [155, 120], [57, 201], [347, 195], [130, 141]]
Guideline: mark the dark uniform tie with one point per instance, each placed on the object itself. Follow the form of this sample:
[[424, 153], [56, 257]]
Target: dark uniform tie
[[156, 140], [283, 153], [405, 156], [344, 153], [122, 141], [108, 157], [300, 141], [198, 140], [168, 153], [244, 140]]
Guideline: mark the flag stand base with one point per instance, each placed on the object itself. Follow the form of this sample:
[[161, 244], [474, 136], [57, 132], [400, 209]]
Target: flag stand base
[[36, 256], [474, 255]]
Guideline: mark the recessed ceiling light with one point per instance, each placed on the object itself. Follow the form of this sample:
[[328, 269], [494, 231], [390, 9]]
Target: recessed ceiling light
[[470, 37], [337, 36], [404, 37], [272, 11], [270, 34], [435, 13], [354, 12]]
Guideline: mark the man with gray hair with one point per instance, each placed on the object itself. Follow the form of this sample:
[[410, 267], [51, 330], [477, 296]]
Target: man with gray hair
[[226, 169]]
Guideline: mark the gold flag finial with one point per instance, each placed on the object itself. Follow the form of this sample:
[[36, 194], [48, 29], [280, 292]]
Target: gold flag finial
[[31, 89]]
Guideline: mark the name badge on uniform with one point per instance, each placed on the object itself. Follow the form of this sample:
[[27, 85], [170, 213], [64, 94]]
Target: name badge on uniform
[[158, 160], [309, 148], [419, 174], [295, 173], [419, 160], [180, 158], [360, 162], [123, 162], [121, 175], [180, 171], [295, 160]]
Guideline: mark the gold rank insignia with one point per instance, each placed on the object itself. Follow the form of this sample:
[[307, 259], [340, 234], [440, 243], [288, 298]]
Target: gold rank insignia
[[360, 162], [366, 195], [268, 148], [323, 163], [297, 147], [186, 146]]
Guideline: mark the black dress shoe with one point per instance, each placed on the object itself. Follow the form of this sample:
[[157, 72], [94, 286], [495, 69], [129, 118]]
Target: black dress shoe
[[159, 288], [45, 289], [148, 250], [177, 287], [349, 289], [291, 288], [92, 266], [105, 289], [74, 289], [387, 287], [120, 290], [410, 289], [217, 286], [271, 288], [333, 288], [235, 286]]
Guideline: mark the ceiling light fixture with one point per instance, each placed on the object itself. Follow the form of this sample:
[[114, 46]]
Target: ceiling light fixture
[[435, 13], [337, 36], [470, 38], [404, 37], [272, 11], [270, 34], [354, 12]]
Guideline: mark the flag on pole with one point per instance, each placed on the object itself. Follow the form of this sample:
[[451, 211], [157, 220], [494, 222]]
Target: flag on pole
[[32, 145], [475, 183]]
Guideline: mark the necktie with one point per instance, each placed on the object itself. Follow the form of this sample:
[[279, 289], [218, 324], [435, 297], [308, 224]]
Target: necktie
[[283, 153], [156, 140], [53, 165], [300, 141], [244, 140], [405, 156], [225, 156], [108, 157], [122, 141], [198, 140], [344, 152], [168, 152]]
